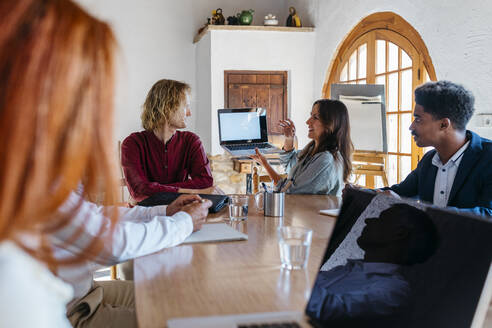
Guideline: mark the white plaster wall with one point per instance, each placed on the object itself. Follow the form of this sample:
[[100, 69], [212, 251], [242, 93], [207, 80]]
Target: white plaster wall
[[156, 41], [306, 10], [264, 50], [154, 44], [458, 35], [204, 91]]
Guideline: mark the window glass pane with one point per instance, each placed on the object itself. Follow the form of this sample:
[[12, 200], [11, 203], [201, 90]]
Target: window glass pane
[[406, 90], [405, 167], [378, 182], [353, 66], [392, 57], [352, 82], [380, 56], [405, 135], [361, 82], [343, 75], [381, 79], [392, 130], [392, 167], [392, 92], [362, 61], [406, 61]]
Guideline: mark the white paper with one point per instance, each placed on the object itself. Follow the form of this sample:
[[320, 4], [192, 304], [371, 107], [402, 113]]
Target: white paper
[[215, 232], [366, 127], [330, 212]]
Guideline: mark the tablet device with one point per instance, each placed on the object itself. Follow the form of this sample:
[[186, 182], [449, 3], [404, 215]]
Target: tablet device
[[166, 198]]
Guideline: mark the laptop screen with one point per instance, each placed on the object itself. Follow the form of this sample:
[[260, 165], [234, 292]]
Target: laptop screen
[[243, 125], [397, 263]]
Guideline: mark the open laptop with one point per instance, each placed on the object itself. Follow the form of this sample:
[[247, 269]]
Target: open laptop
[[241, 130], [453, 288]]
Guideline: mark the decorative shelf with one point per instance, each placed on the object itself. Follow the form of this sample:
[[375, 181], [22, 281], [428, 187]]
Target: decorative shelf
[[250, 28]]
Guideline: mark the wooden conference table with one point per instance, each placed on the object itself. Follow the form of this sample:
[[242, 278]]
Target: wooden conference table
[[233, 277]]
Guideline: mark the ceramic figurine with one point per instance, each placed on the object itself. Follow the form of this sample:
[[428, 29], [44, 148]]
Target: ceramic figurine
[[217, 17], [293, 20], [246, 17], [270, 20], [233, 20]]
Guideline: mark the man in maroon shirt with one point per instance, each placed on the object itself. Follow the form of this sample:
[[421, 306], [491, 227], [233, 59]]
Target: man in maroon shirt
[[161, 158]]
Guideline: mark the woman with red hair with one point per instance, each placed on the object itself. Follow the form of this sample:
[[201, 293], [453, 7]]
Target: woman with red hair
[[56, 92]]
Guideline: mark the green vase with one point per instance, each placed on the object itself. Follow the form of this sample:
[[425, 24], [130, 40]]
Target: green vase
[[246, 17]]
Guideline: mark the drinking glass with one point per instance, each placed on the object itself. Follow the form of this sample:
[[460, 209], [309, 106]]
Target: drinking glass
[[238, 207], [294, 244], [259, 197]]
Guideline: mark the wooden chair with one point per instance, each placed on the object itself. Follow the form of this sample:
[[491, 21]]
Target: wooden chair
[[123, 200], [369, 164], [122, 181]]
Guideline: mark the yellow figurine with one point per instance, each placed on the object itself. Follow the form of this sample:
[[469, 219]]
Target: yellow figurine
[[293, 20], [217, 17]]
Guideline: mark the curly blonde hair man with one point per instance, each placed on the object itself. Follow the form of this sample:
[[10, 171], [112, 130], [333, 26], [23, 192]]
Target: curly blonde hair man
[[163, 100], [163, 158]]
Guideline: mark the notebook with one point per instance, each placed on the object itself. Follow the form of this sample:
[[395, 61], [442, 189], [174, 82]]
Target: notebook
[[241, 130], [166, 198], [213, 232], [464, 303]]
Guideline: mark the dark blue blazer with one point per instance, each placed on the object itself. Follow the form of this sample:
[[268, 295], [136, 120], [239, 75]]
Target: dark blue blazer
[[472, 186]]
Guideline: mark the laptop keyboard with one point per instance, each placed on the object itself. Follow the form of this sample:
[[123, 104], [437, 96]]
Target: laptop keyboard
[[249, 146], [272, 325]]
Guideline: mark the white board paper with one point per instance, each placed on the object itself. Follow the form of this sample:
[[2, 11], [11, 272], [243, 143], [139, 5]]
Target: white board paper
[[366, 128]]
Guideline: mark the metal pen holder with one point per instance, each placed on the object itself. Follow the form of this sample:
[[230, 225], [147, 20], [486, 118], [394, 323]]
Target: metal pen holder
[[273, 203]]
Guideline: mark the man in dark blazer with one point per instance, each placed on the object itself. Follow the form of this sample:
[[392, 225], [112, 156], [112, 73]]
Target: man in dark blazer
[[458, 172]]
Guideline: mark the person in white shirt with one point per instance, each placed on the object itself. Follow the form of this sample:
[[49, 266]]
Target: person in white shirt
[[139, 231], [55, 102], [31, 296]]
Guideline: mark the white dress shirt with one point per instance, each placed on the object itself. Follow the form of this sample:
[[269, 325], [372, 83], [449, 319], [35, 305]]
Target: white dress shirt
[[30, 295], [445, 175], [139, 231]]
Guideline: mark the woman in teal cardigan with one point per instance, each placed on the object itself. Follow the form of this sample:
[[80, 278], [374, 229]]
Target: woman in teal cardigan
[[324, 165]]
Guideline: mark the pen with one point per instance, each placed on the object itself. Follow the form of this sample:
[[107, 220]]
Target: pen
[[280, 185], [286, 186]]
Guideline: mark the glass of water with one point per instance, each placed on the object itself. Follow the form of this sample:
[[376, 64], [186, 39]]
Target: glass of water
[[259, 198], [238, 207], [294, 244]]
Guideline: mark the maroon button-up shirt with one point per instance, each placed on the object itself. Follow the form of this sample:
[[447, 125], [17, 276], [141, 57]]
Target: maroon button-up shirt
[[151, 166]]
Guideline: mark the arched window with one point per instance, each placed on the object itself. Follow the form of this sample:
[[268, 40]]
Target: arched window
[[385, 49]]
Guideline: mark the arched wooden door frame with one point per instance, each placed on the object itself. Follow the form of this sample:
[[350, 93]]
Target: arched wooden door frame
[[391, 27], [379, 21]]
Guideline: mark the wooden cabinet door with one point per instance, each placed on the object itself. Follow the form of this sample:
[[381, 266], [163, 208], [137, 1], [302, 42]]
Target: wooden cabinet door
[[258, 89], [249, 96], [276, 103], [235, 99]]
